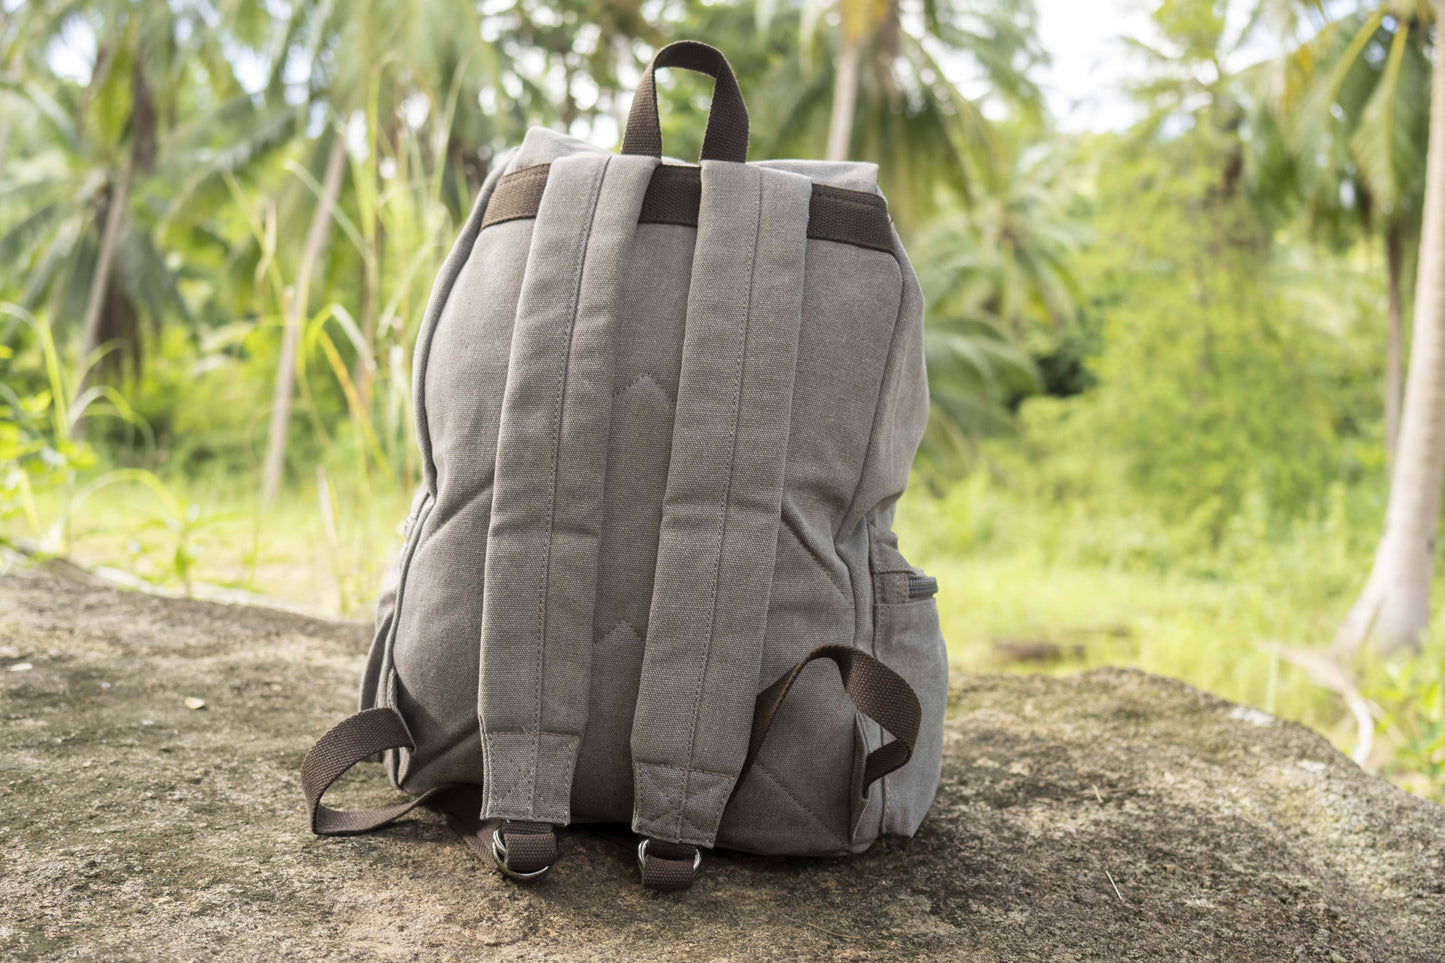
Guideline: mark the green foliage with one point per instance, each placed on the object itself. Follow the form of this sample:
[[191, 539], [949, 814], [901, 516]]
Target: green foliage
[[35, 461], [1357, 100], [1003, 314], [1411, 718], [1076, 584], [141, 144], [179, 519], [1209, 484], [37, 453], [1216, 386], [1155, 356]]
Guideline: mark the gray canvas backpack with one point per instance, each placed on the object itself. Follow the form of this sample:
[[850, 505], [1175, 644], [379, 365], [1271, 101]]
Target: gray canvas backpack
[[665, 413]]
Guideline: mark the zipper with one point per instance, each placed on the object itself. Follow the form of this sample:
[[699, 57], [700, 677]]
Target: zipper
[[411, 542], [922, 587]]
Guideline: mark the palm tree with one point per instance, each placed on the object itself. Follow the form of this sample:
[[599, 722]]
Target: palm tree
[[974, 365], [1353, 106], [1395, 602], [995, 275], [126, 153], [434, 88], [295, 312], [994, 33], [367, 60], [870, 84]]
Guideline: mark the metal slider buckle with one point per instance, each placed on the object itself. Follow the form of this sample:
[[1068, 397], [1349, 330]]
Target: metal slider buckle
[[499, 852], [642, 855]]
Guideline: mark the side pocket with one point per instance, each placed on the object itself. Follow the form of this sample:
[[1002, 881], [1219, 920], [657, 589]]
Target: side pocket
[[375, 680], [909, 639]]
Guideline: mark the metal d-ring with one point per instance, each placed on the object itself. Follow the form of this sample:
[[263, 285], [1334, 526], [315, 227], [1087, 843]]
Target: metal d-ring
[[642, 855], [499, 853]]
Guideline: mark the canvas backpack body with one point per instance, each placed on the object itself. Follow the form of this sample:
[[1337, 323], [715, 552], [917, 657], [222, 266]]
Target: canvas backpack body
[[664, 413]]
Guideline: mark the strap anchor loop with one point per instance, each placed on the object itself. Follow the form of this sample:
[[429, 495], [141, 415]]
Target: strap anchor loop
[[499, 854], [667, 870]]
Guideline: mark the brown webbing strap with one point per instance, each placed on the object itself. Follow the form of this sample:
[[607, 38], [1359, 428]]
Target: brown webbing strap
[[520, 196], [527, 849], [726, 137], [674, 196], [850, 217], [879, 693], [350, 741], [667, 867], [462, 809]]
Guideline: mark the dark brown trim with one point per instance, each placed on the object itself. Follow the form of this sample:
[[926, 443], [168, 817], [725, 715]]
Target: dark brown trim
[[726, 138], [849, 217], [517, 195], [675, 195]]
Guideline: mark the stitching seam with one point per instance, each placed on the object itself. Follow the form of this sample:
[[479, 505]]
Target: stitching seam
[[452, 269], [700, 772], [727, 496], [620, 622], [758, 764], [646, 379], [878, 403], [853, 202], [552, 477], [790, 525]]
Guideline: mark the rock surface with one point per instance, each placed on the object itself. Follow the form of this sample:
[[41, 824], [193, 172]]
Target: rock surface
[[1107, 816]]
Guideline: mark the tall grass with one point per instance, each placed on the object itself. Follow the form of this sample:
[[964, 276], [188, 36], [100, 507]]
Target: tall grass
[[1028, 584]]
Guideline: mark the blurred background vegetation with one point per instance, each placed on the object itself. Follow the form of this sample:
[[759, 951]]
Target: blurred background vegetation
[[1166, 352]]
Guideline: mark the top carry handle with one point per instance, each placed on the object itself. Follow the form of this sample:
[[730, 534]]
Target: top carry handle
[[726, 138]]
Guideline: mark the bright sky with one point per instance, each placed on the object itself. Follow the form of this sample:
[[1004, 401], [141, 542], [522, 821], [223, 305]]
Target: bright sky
[[1089, 60], [1083, 38]]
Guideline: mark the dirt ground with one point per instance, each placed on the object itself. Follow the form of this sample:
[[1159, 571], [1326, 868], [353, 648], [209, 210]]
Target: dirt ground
[[1107, 816]]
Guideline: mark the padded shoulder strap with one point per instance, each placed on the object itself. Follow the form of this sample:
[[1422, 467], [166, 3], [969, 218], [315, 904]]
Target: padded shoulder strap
[[720, 513], [541, 564]]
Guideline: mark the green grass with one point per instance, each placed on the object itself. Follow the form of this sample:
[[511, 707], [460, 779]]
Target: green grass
[[1209, 634], [1083, 589], [1095, 589], [285, 551]]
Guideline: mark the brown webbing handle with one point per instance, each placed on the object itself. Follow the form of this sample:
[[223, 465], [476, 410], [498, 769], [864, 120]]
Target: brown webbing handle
[[879, 693], [726, 138], [350, 741], [530, 848]]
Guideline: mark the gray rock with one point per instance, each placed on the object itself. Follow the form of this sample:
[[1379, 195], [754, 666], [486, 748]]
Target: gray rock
[[1106, 816]]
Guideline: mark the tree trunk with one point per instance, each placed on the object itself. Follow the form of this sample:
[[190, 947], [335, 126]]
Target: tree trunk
[[1395, 602], [142, 124], [295, 313], [1394, 262], [845, 96], [100, 281]]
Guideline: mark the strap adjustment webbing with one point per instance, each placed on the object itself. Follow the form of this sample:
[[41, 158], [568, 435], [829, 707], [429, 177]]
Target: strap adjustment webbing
[[520, 850], [667, 867], [879, 693]]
